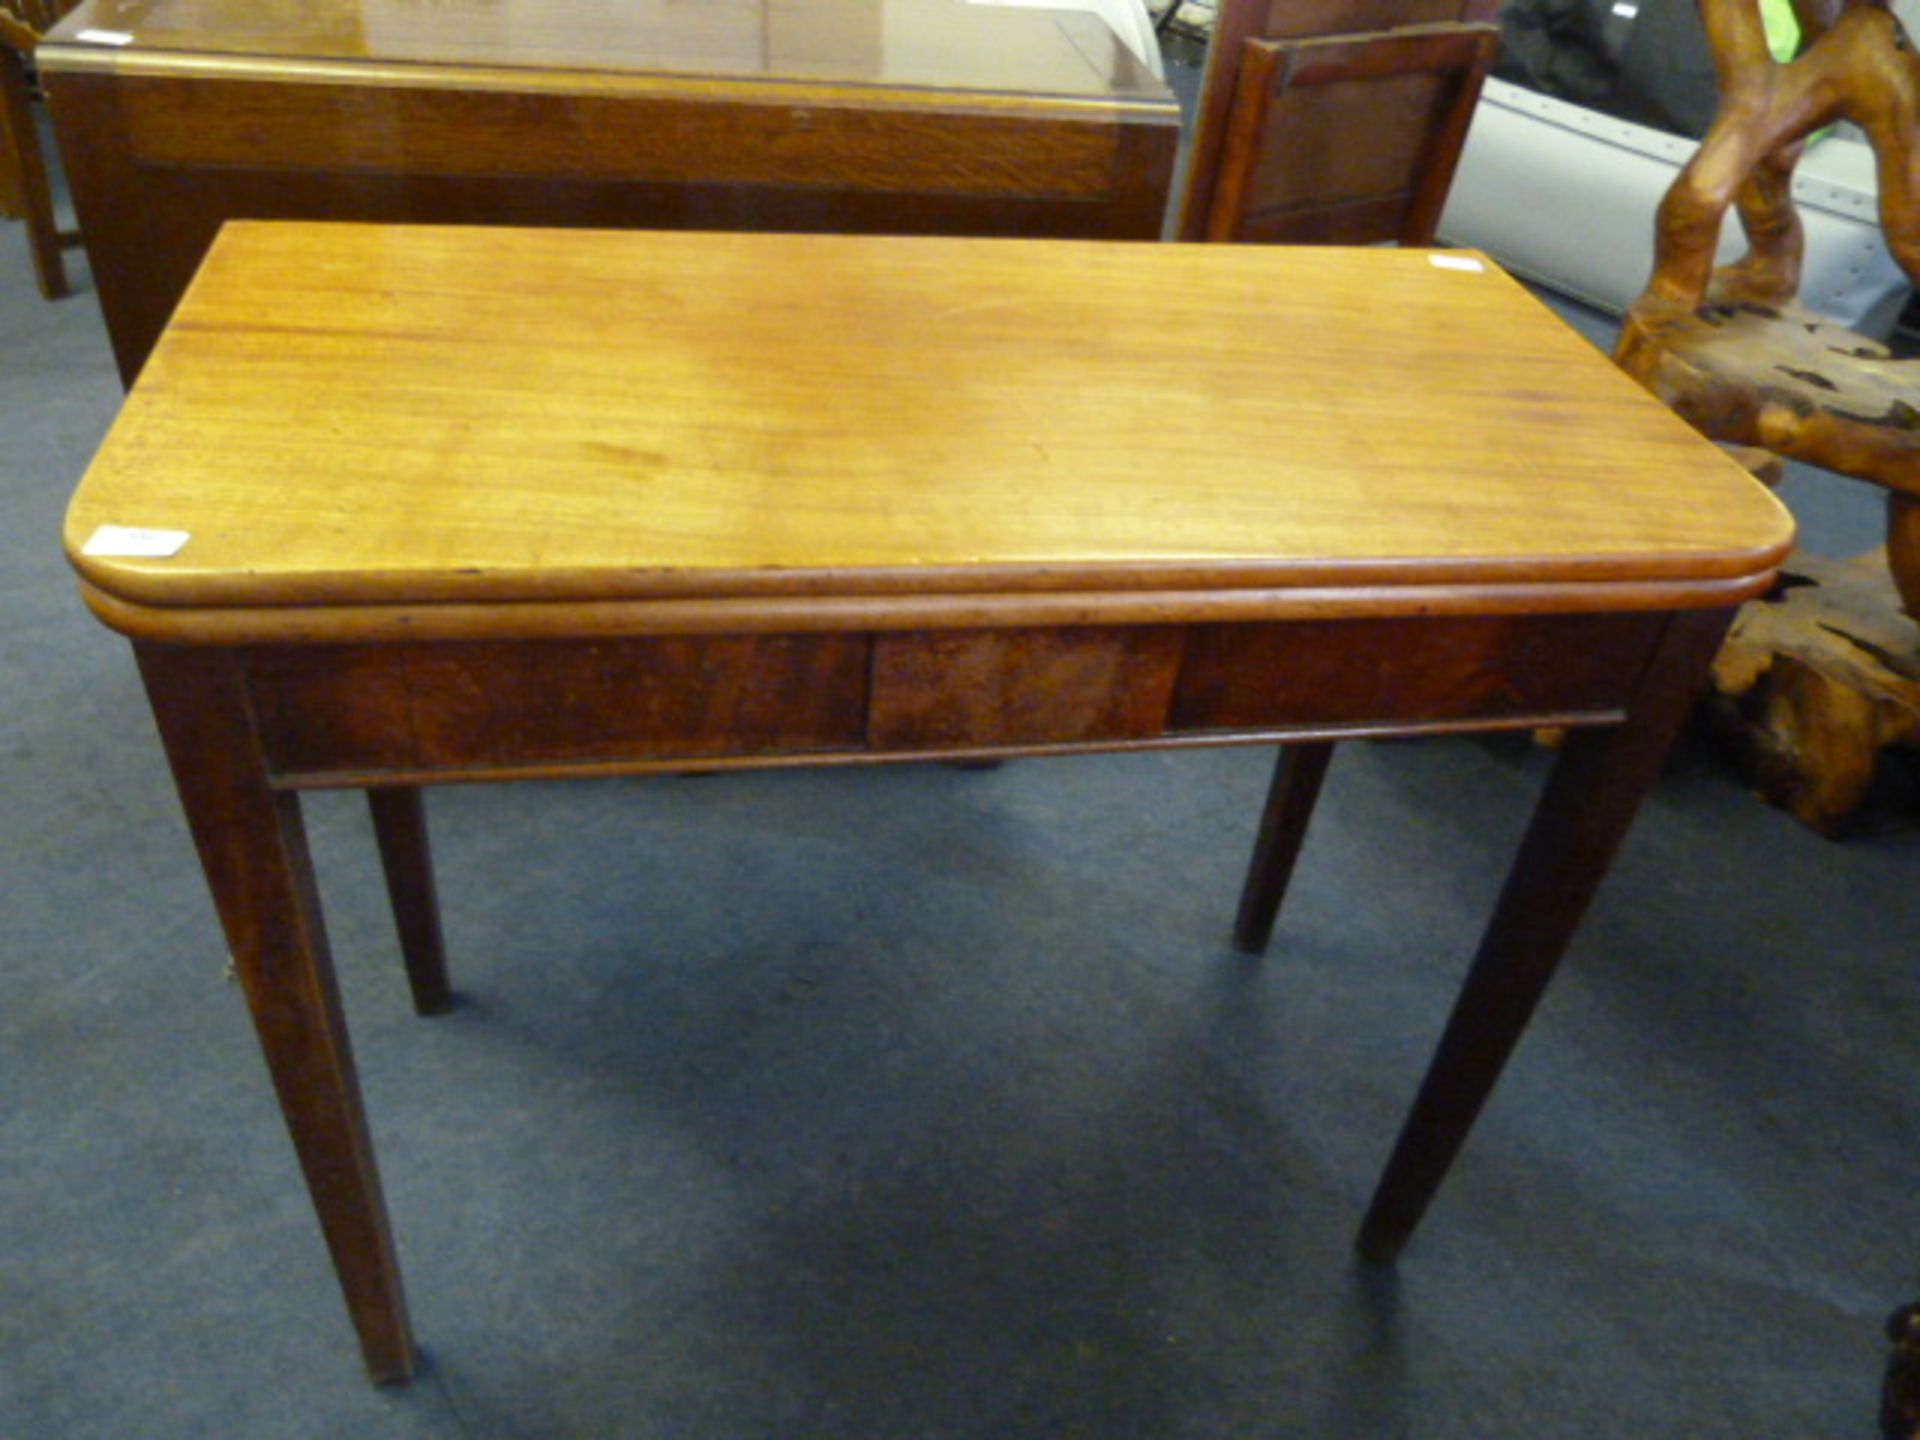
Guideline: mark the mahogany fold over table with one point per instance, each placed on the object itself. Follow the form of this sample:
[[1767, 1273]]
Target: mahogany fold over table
[[462, 504]]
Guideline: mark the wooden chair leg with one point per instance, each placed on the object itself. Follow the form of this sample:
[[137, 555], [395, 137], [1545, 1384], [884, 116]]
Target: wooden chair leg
[[1297, 776], [13, 184], [43, 236], [400, 827]]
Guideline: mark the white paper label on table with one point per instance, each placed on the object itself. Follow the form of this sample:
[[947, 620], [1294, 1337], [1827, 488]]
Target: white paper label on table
[[1457, 262], [130, 541], [104, 37]]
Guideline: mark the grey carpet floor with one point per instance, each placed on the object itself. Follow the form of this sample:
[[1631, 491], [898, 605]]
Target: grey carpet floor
[[919, 1103]]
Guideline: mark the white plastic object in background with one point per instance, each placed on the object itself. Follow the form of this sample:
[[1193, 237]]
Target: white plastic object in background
[[1565, 197], [1129, 20]]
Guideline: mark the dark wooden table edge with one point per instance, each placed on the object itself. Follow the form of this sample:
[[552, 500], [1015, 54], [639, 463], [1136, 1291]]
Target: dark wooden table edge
[[580, 619], [65, 56]]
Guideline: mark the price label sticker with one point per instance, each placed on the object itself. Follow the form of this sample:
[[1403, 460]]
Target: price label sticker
[[127, 541]]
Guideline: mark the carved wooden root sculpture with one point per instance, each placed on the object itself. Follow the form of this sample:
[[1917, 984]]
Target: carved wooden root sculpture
[[1857, 65], [1900, 1394], [1727, 348], [1814, 682]]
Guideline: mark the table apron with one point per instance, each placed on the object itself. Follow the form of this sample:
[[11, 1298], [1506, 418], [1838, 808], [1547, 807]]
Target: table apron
[[360, 714], [345, 128]]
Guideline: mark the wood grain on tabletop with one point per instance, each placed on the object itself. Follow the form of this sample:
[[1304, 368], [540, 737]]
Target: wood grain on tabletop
[[909, 43], [364, 414]]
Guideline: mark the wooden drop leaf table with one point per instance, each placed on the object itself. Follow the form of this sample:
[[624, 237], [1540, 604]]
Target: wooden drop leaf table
[[393, 506], [899, 117]]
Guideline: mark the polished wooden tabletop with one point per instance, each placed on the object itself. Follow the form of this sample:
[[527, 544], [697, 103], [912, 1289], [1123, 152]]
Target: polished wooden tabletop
[[938, 44], [372, 416]]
